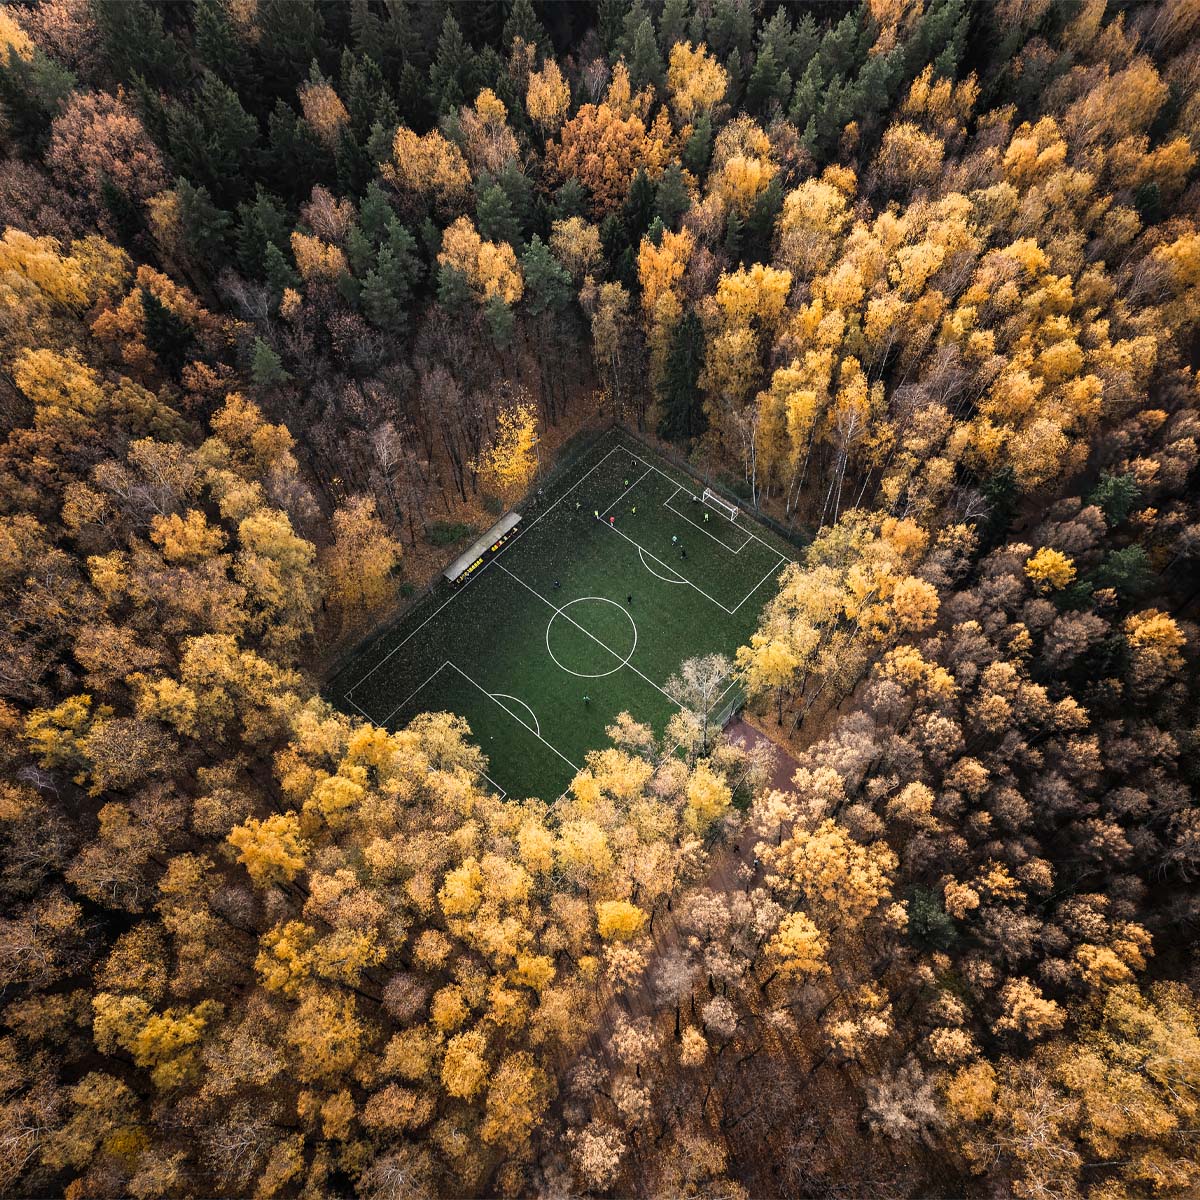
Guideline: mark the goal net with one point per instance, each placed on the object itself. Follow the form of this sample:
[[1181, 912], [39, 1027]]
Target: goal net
[[725, 507]]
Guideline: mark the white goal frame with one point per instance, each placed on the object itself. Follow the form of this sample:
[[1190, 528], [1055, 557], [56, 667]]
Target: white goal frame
[[726, 507]]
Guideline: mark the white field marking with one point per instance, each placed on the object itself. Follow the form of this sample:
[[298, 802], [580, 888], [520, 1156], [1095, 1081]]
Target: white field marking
[[494, 784], [711, 499], [611, 509], [363, 711], [410, 694], [485, 775], [518, 700], [621, 533], [678, 578], [621, 662], [708, 532], [679, 487], [759, 584], [463, 587], [513, 715], [588, 633]]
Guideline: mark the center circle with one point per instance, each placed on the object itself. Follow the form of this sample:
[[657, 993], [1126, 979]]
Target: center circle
[[580, 636]]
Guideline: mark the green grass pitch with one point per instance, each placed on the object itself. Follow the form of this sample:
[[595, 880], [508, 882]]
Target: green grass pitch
[[549, 620]]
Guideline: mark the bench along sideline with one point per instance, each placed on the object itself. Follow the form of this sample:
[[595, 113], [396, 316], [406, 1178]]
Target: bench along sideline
[[723, 506], [482, 550]]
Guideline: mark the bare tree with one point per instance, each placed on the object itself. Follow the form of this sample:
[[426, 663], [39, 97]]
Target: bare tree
[[698, 688]]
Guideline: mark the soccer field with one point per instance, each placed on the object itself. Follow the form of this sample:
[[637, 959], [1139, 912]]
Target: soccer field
[[575, 620]]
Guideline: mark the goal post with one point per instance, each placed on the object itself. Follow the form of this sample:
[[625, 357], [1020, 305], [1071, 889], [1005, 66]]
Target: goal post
[[725, 507]]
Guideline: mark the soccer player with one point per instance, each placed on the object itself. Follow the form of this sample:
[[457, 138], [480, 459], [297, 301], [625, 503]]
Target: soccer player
[[596, 513], [576, 505], [612, 522], [627, 481], [629, 599], [682, 552], [633, 511], [556, 585], [706, 518], [586, 699], [674, 539]]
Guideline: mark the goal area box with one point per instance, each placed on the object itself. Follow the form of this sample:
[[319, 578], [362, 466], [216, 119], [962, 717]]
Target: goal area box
[[482, 550]]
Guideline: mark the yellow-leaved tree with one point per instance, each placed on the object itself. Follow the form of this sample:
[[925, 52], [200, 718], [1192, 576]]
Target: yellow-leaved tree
[[510, 461], [361, 560]]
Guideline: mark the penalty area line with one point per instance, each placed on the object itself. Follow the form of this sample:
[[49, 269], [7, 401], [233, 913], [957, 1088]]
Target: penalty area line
[[678, 578], [518, 700], [514, 716], [759, 584], [708, 532]]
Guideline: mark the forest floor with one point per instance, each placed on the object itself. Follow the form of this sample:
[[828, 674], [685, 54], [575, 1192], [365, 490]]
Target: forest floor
[[767, 1161]]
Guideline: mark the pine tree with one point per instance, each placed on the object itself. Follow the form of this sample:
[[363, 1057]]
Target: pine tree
[[380, 304], [136, 44], [292, 39], [353, 163], [519, 191], [266, 367], [375, 213], [939, 38], [205, 225], [454, 292], [32, 91], [671, 198], [387, 39], [610, 18], [360, 252], [768, 83], [365, 93], [682, 414], [261, 222], [735, 229], [398, 262], [125, 214], [453, 78], [698, 151], [213, 139], [1127, 571], [779, 39], [672, 24], [220, 48], [571, 200], [294, 159], [547, 284], [167, 335], [760, 223], [730, 28], [877, 85], [638, 209], [414, 98], [501, 322], [280, 273], [646, 67], [1115, 496], [522, 23], [379, 144], [494, 216]]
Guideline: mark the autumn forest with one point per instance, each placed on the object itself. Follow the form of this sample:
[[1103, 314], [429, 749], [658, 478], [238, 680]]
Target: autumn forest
[[299, 296]]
